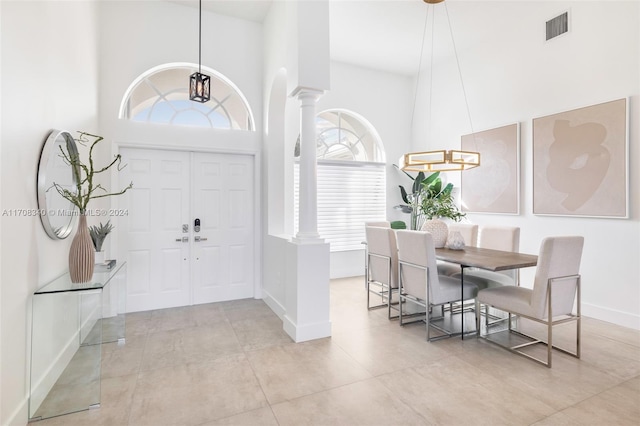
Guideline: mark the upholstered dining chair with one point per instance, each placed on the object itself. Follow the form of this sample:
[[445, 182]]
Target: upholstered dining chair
[[556, 289], [419, 282], [381, 273], [379, 224], [505, 238], [469, 232]]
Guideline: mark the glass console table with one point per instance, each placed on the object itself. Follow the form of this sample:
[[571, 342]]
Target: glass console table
[[70, 322]]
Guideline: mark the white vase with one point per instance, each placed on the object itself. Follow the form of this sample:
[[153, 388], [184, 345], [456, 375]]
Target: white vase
[[438, 230], [100, 257]]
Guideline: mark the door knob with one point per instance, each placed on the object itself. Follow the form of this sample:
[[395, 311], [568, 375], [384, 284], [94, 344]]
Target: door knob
[[198, 238], [183, 240]]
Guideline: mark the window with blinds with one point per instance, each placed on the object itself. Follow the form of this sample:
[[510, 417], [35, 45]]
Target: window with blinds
[[351, 178], [349, 194]]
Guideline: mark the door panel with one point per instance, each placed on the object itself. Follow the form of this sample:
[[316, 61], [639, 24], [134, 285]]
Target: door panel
[[173, 188], [158, 205], [223, 200]]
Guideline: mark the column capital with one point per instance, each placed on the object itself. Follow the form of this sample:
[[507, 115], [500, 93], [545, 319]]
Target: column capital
[[305, 93]]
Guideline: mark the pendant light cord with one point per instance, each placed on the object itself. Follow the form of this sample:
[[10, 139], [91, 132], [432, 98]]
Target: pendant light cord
[[200, 38], [415, 96], [455, 51]]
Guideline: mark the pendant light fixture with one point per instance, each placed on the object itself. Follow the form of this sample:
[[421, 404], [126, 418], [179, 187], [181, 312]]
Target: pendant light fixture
[[199, 84], [440, 160]]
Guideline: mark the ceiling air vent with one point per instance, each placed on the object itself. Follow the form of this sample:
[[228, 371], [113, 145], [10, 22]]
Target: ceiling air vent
[[557, 26]]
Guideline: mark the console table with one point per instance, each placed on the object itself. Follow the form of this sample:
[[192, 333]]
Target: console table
[[70, 321]]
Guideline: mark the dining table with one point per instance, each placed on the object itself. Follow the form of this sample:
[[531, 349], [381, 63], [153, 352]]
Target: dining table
[[484, 258]]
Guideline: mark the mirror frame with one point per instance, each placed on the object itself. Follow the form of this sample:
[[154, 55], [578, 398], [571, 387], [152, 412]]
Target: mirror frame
[[49, 149]]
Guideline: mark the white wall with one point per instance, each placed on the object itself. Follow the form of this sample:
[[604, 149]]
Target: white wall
[[512, 75], [385, 100], [49, 80]]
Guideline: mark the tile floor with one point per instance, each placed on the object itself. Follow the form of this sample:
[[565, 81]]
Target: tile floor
[[231, 364]]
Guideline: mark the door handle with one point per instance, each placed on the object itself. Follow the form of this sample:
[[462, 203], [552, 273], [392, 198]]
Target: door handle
[[183, 240], [198, 238]]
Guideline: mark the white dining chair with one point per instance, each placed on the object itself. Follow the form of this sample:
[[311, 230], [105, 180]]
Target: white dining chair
[[556, 289], [381, 274], [504, 238], [419, 282]]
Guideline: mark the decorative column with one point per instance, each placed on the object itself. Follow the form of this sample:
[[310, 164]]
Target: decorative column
[[308, 212], [307, 313]]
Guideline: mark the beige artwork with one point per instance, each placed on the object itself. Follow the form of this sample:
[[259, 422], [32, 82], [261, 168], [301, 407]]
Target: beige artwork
[[580, 162], [493, 186]]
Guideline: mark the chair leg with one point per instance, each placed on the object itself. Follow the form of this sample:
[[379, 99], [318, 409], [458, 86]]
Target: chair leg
[[549, 341], [477, 318]]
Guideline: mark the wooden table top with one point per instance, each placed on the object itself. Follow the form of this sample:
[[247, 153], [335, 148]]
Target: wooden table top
[[493, 260]]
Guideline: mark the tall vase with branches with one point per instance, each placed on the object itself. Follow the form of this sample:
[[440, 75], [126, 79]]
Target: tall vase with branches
[[82, 252]]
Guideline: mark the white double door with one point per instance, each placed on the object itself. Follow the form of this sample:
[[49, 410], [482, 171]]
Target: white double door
[[170, 262]]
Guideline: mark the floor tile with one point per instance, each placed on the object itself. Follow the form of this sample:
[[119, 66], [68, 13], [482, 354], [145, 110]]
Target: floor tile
[[452, 392], [362, 403], [618, 406], [385, 349], [261, 416], [189, 345], [288, 372], [193, 394]]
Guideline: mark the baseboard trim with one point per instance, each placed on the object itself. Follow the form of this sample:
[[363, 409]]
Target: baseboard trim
[[20, 414], [272, 303], [624, 319], [302, 333]]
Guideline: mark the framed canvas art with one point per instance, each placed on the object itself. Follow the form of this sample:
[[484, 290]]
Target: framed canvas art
[[580, 162], [493, 187]]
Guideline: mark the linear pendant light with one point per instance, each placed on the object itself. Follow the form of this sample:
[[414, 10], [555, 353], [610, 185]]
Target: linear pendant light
[[440, 160]]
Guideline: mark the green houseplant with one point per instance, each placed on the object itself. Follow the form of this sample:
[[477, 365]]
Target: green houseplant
[[99, 233], [428, 199], [82, 251]]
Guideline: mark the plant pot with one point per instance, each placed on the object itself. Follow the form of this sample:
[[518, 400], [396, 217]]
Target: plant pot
[[100, 257], [438, 230], [81, 254]]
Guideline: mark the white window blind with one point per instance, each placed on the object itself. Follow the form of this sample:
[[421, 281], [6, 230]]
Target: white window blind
[[349, 194]]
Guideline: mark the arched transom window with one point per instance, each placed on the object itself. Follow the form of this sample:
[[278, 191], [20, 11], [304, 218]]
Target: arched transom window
[[161, 95], [343, 135], [351, 178]]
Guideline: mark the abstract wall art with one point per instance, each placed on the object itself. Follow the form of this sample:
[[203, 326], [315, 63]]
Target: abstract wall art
[[580, 162], [493, 187]]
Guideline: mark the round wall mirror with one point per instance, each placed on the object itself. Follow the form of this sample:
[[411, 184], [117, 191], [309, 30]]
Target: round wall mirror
[[58, 214]]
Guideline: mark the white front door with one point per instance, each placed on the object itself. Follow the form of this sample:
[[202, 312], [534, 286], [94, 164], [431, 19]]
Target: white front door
[[169, 264], [223, 202]]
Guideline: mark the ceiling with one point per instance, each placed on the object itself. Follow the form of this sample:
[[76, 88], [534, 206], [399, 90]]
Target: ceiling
[[379, 34]]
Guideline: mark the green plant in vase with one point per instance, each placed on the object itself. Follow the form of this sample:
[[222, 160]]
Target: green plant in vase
[[428, 199], [438, 202], [98, 235], [82, 251]]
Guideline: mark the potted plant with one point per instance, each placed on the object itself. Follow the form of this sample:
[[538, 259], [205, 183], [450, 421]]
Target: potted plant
[[428, 202], [436, 203], [98, 235], [82, 251]]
